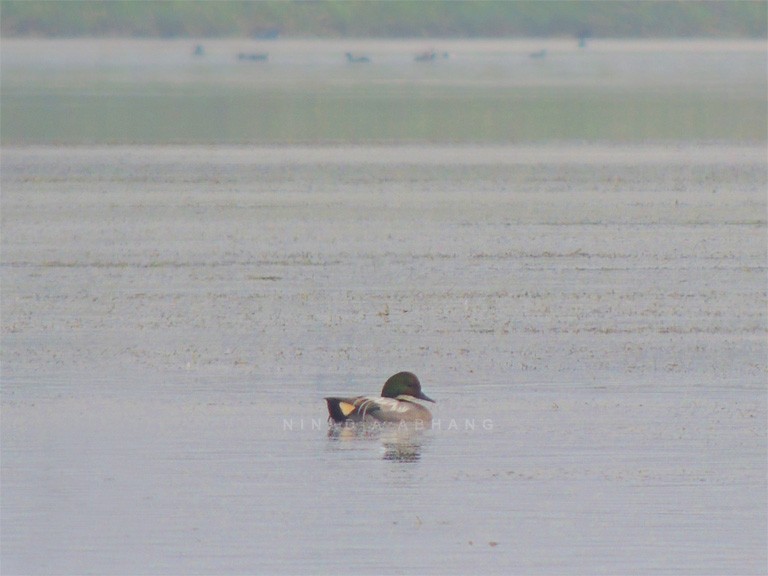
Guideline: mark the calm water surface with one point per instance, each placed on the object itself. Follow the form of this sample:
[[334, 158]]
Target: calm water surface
[[589, 316], [172, 319]]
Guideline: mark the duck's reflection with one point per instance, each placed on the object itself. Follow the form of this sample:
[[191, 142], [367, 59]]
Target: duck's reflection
[[399, 444], [402, 451]]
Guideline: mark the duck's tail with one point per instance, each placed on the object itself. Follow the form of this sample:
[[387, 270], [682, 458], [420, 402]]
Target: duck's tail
[[339, 408]]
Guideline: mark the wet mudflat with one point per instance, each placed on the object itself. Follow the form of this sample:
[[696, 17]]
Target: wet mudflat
[[591, 324]]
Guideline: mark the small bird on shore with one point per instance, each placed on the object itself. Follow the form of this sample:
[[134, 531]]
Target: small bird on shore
[[396, 404]]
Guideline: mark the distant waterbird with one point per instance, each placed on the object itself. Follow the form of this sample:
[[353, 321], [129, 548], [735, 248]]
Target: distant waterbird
[[583, 35], [352, 59], [253, 56], [430, 56], [267, 33]]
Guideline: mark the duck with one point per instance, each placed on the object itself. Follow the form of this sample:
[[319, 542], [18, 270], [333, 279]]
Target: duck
[[352, 59], [426, 56], [396, 404], [253, 56], [430, 56]]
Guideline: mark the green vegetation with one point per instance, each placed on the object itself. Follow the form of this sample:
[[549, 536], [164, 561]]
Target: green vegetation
[[397, 19]]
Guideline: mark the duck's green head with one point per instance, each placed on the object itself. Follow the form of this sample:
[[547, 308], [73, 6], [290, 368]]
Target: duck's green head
[[404, 384]]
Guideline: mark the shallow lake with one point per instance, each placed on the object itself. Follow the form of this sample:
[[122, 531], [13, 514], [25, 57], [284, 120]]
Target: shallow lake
[[589, 316]]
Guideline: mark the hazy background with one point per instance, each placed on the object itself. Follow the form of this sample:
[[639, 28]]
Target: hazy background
[[87, 72], [416, 19]]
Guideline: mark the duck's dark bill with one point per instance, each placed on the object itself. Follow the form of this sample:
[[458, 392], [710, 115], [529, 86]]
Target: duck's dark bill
[[423, 396]]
